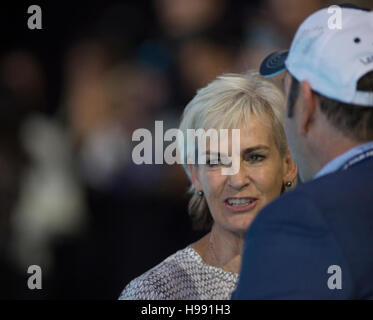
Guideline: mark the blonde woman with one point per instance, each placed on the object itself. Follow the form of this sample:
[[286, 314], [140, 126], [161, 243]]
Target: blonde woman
[[224, 204]]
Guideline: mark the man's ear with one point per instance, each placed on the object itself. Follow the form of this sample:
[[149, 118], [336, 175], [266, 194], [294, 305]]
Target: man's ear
[[290, 168], [194, 175], [308, 108]]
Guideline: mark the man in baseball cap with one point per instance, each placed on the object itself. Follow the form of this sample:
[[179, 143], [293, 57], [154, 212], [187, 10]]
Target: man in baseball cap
[[316, 242]]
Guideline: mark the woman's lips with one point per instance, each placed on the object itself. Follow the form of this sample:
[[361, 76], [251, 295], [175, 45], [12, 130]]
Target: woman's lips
[[240, 204]]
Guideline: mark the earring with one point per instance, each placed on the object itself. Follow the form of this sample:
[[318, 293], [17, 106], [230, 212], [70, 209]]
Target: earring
[[200, 193], [288, 184]]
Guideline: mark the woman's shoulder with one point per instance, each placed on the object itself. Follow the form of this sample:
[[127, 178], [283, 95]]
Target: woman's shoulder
[[164, 280]]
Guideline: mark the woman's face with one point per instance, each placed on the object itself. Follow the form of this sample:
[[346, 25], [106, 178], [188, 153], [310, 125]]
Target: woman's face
[[235, 200]]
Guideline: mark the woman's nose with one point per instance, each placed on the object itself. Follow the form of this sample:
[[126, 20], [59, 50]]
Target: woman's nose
[[239, 180]]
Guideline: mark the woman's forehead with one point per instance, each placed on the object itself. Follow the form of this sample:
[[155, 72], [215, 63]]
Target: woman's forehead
[[247, 134], [244, 120]]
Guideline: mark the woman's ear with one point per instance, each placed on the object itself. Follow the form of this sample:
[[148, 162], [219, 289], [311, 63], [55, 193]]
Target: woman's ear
[[290, 169], [194, 175]]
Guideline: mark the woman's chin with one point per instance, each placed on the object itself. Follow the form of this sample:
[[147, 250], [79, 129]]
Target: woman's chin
[[240, 223]]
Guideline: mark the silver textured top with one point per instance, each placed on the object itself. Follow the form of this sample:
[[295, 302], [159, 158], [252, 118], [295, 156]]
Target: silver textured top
[[182, 276]]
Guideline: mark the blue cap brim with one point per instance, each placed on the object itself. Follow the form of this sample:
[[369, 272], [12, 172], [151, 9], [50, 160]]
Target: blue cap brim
[[273, 64]]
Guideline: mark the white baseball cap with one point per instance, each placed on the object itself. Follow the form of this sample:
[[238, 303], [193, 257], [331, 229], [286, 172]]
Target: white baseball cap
[[331, 60]]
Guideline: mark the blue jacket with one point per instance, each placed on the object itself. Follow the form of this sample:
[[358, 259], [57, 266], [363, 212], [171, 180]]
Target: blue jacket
[[295, 239]]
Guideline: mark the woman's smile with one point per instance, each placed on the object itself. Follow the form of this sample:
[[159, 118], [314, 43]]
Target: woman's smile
[[240, 204]]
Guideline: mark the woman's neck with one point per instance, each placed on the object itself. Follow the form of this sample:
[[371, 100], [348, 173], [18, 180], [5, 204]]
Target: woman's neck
[[221, 248]]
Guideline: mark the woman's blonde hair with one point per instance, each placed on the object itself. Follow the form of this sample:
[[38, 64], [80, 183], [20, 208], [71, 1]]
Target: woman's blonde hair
[[225, 103]]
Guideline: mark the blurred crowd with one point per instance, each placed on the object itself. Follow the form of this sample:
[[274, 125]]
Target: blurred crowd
[[71, 199]]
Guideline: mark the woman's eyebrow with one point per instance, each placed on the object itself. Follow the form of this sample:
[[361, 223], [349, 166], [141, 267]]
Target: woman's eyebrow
[[255, 148], [247, 150]]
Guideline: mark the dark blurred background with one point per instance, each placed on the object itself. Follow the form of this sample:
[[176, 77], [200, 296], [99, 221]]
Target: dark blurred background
[[71, 95]]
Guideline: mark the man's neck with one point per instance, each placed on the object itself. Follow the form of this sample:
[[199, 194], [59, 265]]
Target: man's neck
[[328, 143], [332, 152], [337, 150]]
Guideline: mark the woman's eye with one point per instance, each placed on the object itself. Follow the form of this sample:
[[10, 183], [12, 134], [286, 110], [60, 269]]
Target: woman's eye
[[256, 158]]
